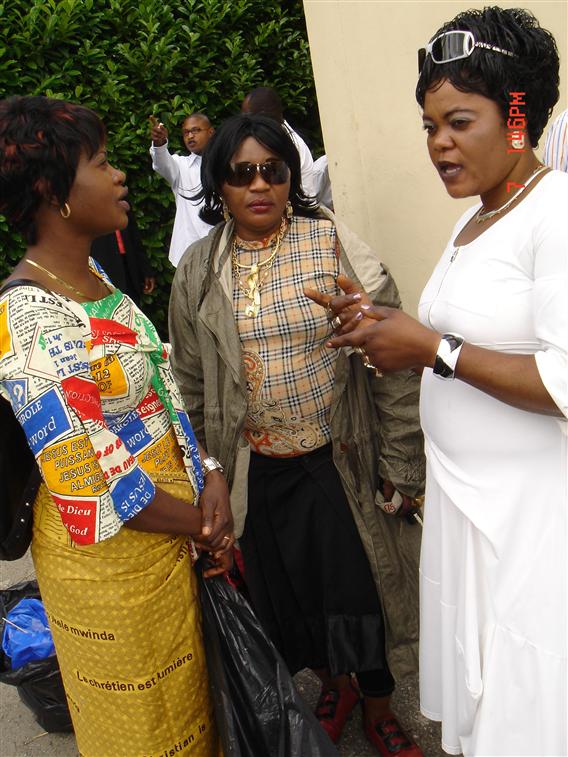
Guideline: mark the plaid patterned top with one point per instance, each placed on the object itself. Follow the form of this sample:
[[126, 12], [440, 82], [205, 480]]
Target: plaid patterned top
[[290, 372]]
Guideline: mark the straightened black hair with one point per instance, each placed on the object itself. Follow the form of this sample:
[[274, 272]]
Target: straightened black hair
[[225, 143], [41, 141], [533, 70]]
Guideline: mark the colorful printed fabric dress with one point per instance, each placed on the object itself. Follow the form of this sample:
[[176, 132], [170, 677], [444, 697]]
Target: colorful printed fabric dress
[[92, 388]]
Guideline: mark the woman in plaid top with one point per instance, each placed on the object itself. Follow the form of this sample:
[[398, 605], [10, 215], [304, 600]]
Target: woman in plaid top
[[315, 437]]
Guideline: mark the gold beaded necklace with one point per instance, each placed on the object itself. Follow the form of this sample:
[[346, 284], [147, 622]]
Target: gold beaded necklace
[[59, 280], [258, 272]]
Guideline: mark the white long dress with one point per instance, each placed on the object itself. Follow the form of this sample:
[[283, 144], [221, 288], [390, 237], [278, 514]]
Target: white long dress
[[493, 563]]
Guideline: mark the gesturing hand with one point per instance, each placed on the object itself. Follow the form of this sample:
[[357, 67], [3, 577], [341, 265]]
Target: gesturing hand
[[343, 308], [158, 132], [392, 340]]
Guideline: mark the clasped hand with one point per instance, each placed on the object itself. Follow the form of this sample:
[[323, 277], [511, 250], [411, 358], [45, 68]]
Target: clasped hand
[[216, 535]]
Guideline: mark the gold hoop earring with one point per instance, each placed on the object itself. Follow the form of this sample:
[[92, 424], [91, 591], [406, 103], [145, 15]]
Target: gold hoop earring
[[65, 211], [289, 210], [226, 212]]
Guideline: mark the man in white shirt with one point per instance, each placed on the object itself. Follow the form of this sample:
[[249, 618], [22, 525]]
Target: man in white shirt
[[556, 146], [323, 182], [183, 174], [267, 102]]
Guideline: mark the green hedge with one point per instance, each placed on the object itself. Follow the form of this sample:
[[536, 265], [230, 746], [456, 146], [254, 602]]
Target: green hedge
[[129, 58]]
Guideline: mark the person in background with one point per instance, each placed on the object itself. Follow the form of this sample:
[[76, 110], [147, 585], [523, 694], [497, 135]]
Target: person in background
[[124, 260], [492, 347], [266, 101], [312, 442], [183, 174], [323, 182], [556, 146], [126, 488]]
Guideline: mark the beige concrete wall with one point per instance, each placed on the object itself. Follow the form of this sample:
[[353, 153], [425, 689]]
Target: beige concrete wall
[[364, 55]]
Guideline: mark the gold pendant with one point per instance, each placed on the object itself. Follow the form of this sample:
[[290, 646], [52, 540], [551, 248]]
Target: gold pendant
[[252, 309]]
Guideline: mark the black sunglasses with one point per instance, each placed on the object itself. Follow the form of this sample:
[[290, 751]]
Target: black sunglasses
[[243, 174]]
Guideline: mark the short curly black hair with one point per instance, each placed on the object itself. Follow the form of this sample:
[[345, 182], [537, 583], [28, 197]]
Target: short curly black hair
[[41, 141], [533, 70], [223, 145]]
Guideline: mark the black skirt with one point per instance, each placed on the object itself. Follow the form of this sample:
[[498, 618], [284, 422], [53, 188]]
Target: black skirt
[[307, 572]]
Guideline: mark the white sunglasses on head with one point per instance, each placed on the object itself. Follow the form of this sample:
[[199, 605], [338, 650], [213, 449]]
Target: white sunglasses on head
[[454, 45]]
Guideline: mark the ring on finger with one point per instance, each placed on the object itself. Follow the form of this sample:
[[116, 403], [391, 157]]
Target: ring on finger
[[367, 362], [328, 311], [336, 323], [371, 367], [226, 538]]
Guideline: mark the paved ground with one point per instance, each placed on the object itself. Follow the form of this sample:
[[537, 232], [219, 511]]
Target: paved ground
[[21, 736]]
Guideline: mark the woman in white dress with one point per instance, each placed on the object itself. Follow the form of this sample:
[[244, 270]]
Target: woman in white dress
[[494, 327]]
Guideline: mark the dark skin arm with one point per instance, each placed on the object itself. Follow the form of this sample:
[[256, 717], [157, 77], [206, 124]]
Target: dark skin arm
[[167, 515], [217, 535], [210, 524], [350, 310], [394, 341]]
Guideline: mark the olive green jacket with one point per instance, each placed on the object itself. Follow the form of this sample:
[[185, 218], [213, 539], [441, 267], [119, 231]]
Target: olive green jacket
[[374, 422]]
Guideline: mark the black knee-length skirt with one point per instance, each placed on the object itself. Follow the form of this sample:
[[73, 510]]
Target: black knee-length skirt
[[306, 569]]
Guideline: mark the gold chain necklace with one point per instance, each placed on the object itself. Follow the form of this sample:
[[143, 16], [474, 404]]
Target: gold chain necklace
[[481, 216], [256, 277], [60, 281]]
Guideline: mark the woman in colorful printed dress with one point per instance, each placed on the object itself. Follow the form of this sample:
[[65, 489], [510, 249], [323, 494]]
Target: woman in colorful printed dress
[[300, 424], [125, 485]]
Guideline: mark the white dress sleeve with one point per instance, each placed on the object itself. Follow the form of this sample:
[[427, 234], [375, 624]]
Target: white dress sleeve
[[550, 295]]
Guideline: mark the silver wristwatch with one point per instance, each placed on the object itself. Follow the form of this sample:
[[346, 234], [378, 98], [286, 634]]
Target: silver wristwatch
[[211, 463]]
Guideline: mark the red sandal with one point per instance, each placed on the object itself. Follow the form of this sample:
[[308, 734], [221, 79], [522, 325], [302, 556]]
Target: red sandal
[[388, 737], [334, 708]]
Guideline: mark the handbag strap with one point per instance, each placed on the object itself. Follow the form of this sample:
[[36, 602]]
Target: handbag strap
[[23, 282], [17, 540]]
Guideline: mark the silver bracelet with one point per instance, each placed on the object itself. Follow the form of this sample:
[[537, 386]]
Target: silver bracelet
[[447, 356]]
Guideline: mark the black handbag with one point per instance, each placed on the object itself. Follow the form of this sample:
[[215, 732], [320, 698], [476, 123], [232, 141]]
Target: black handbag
[[257, 706], [19, 478]]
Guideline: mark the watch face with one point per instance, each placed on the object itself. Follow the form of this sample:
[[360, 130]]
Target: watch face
[[210, 463]]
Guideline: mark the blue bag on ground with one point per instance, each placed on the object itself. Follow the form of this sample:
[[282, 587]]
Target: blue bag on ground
[[27, 635], [38, 682]]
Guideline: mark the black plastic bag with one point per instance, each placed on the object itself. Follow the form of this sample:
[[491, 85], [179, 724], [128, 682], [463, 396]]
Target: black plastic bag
[[39, 682], [258, 709]]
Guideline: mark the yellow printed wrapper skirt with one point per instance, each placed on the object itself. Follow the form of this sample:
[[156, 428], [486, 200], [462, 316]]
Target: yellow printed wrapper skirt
[[126, 623]]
